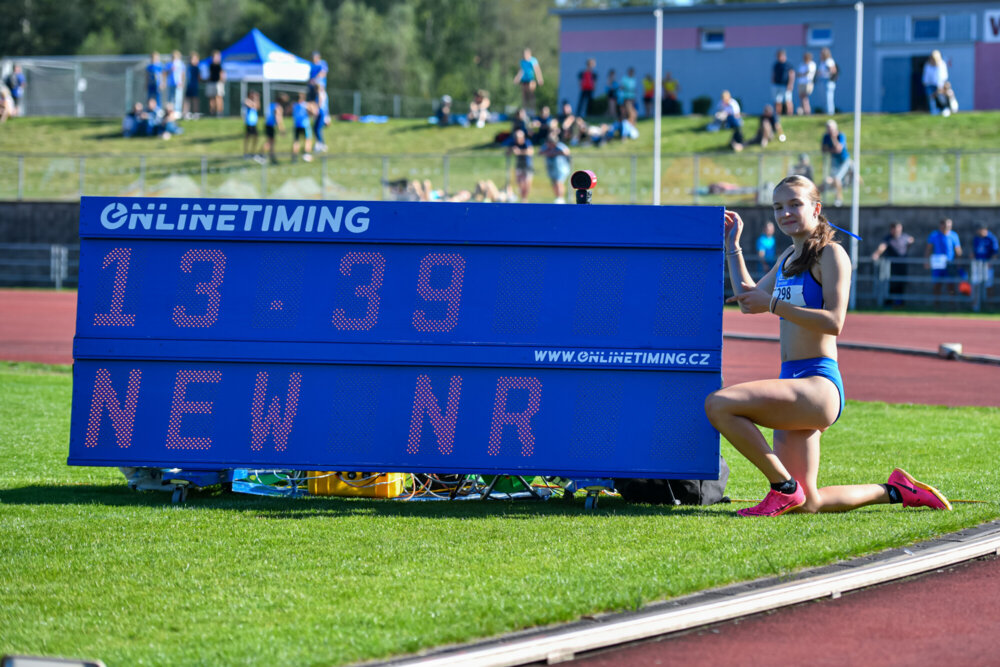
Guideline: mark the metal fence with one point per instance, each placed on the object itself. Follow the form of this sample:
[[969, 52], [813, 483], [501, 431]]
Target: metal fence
[[963, 178]]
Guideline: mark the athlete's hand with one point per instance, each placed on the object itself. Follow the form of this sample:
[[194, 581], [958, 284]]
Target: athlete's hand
[[734, 229], [751, 299]]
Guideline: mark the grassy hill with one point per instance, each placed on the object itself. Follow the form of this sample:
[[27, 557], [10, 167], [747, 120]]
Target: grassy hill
[[362, 155]]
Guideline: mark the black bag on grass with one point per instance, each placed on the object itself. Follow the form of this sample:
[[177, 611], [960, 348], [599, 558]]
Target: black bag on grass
[[676, 491]]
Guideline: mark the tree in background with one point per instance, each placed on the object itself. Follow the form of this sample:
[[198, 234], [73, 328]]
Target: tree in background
[[424, 48]]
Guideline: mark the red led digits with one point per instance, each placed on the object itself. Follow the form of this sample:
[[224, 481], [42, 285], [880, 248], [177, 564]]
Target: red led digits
[[181, 406], [122, 416], [115, 317], [209, 289], [369, 291], [425, 402], [520, 419], [452, 294], [260, 425]]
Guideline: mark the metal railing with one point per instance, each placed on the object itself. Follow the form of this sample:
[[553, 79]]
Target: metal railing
[[932, 178], [39, 264]]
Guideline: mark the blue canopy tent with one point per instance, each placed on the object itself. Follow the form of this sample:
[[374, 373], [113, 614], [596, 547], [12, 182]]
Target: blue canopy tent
[[255, 58]]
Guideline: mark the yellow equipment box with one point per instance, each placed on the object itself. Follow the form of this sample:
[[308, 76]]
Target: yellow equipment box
[[367, 484]]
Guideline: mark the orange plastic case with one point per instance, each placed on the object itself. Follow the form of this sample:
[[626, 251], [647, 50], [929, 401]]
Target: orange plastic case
[[364, 484]]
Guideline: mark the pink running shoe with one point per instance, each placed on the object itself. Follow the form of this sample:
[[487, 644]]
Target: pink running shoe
[[776, 503], [917, 494]]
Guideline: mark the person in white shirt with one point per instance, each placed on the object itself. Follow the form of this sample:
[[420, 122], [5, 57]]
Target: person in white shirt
[[804, 76], [935, 76], [827, 73]]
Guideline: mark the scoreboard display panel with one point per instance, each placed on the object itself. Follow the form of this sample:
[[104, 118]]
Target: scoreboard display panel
[[398, 336]]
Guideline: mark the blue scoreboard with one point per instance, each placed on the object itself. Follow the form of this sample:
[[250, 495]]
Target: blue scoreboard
[[419, 337]]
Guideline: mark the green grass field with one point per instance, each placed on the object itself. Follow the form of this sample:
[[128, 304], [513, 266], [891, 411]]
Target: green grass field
[[91, 569], [934, 160]]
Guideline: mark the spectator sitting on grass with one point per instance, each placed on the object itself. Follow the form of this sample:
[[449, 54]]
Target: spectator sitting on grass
[[135, 123], [479, 108], [443, 113], [769, 128], [168, 122]]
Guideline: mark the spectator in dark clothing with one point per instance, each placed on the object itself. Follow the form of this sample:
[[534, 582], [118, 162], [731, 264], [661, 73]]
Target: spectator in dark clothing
[[769, 128], [894, 245], [782, 82]]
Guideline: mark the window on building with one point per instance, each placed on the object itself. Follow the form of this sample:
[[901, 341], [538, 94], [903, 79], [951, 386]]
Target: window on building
[[927, 29], [713, 38], [820, 34]]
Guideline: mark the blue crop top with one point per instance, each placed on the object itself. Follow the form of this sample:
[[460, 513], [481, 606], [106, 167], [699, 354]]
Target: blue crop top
[[800, 290]]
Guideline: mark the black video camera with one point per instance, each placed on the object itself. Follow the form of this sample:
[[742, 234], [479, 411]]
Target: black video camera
[[583, 182]]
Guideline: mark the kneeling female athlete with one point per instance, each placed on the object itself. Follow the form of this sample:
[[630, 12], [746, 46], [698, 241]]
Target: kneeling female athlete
[[808, 288]]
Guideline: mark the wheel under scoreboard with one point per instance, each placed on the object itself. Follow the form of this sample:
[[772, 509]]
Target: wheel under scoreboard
[[577, 341]]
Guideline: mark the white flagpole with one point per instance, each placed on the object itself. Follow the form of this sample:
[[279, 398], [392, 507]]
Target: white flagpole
[[657, 105], [859, 8]]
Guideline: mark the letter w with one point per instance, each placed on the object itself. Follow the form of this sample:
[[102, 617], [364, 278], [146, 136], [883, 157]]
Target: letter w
[[260, 425], [424, 402]]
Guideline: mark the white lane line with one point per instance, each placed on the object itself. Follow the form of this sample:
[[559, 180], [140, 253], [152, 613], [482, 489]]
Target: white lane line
[[563, 645]]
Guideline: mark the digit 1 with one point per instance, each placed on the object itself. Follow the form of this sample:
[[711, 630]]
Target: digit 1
[[115, 317], [452, 293], [369, 291], [209, 289]]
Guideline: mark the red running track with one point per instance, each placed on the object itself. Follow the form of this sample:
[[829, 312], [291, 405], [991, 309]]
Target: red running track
[[949, 617]]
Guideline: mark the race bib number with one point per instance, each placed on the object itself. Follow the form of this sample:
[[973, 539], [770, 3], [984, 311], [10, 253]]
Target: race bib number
[[939, 262]]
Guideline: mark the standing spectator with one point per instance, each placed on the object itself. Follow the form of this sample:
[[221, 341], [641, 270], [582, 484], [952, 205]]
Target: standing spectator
[[154, 78], [274, 122], [479, 108], [835, 145], [943, 246], [648, 92], [588, 83], [192, 102], [318, 71], [934, 78], [766, 248], [895, 245], [611, 91], [175, 80], [805, 75], [320, 121], [827, 73], [524, 167], [782, 80], [15, 83], [627, 94], [251, 116], [671, 104], [6, 104], [769, 128], [303, 131], [529, 75], [557, 165], [984, 248], [216, 88]]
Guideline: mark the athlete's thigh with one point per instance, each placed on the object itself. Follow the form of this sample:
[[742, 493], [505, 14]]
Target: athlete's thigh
[[804, 403]]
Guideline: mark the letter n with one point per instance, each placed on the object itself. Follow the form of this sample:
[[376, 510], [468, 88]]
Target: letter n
[[522, 420], [262, 425], [122, 416], [424, 402]]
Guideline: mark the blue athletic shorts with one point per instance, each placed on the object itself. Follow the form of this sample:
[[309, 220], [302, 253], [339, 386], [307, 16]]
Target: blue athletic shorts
[[821, 366]]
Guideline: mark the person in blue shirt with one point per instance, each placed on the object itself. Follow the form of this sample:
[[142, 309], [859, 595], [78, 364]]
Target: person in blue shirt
[[192, 102], [529, 75], [984, 248], [834, 144], [251, 116], [302, 128], [15, 83], [175, 71], [154, 78], [765, 248], [318, 70], [943, 246], [273, 123], [808, 290]]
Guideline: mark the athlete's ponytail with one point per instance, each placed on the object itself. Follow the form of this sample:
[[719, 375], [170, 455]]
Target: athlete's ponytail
[[821, 236]]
